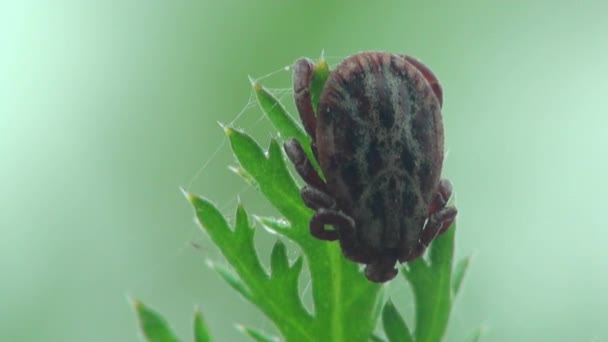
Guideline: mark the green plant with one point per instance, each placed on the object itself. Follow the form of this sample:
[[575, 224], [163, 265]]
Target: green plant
[[346, 305]]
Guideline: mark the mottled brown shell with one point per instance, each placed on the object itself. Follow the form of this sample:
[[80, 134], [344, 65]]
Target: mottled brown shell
[[380, 145]]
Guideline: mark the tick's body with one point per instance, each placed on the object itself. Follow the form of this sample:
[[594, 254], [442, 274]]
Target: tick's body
[[378, 137]]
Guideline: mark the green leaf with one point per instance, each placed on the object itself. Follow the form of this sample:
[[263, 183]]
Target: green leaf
[[394, 326], [152, 325], [459, 273], [275, 295], [270, 173], [201, 333], [430, 282], [256, 334], [278, 115]]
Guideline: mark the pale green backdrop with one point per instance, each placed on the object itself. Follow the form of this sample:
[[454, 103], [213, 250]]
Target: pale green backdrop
[[108, 107]]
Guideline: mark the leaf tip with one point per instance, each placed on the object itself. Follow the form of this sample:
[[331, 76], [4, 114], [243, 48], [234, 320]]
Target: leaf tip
[[189, 196], [228, 130], [254, 84], [137, 304], [241, 215], [321, 64]]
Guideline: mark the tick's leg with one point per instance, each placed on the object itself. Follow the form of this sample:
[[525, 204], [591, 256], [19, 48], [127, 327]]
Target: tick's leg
[[296, 154], [440, 219], [381, 270], [437, 223], [302, 74], [341, 222], [441, 199], [316, 199], [344, 225], [428, 75]]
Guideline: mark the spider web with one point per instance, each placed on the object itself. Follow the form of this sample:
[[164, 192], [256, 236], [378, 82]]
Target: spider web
[[255, 122]]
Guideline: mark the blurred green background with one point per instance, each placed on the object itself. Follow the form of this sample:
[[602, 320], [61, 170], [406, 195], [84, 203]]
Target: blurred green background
[[107, 108]]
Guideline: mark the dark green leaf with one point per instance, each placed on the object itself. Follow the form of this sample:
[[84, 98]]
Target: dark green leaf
[[201, 333], [279, 264], [394, 326], [152, 325]]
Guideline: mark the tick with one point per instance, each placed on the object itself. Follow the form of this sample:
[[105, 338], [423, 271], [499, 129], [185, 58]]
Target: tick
[[377, 135]]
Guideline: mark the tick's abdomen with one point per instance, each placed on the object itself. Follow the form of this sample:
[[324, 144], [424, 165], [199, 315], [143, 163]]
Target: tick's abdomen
[[380, 145]]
